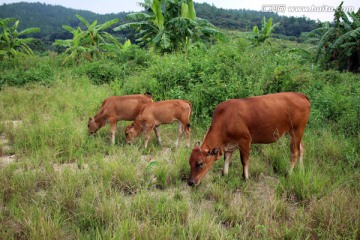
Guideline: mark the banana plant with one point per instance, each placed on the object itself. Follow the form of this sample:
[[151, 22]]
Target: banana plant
[[11, 45], [169, 25], [90, 44], [339, 45], [259, 36], [150, 25]]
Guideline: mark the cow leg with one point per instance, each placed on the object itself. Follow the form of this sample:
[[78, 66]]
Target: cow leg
[[148, 130], [187, 132], [180, 132], [184, 128], [244, 155], [227, 158], [301, 155], [295, 148], [157, 133], [113, 129]]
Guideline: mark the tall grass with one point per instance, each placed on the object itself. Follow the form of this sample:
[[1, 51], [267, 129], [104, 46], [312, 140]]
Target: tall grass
[[65, 184]]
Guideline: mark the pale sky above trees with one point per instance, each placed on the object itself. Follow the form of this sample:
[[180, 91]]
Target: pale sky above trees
[[313, 9]]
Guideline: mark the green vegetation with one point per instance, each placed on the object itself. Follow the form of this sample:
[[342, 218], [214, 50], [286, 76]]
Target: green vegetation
[[172, 29], [90, 44], [260, 36], [62, 183], [11, 45], [50, 18], [339, 45], [56, 182]]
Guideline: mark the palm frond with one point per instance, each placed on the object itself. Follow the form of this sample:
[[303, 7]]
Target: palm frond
[[108, 24], [28, 31], [83, 20]]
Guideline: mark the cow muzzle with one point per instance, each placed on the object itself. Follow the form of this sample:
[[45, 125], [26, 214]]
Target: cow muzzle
[[191, 183]]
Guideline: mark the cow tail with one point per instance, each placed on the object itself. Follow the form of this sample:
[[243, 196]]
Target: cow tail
[[190, 112]]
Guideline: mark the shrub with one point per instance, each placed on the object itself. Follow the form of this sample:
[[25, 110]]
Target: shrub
[[100, 72], [42, 74]]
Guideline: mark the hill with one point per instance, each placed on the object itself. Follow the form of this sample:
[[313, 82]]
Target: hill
[[50, 18], [244, 20]]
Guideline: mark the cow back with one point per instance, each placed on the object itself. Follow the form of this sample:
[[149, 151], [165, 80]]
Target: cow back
[[264, 119], [124, 107]]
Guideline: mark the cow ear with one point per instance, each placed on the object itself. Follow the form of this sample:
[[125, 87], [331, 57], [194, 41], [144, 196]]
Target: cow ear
[[197, 145], [214, 152]]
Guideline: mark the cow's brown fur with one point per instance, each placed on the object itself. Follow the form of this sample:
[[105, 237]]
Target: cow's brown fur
[[116, 108], [238, 123], [163, 112]]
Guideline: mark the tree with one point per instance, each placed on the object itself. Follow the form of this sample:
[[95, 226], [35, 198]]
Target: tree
[[89, 44], [170, 25], [339, 45], [259, 36], [11, 45]]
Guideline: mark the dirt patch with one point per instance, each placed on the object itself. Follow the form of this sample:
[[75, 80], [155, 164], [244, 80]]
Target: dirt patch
[[265, 188], [7, 155], [3, 140], [5, 149], [12, 123], [59, 168], [5, 160]]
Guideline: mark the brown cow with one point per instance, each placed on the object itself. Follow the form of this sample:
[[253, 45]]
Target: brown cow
[[116, 108], [163, 112], [238, 123]]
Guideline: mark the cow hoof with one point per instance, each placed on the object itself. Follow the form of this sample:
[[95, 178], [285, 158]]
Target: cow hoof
[[223, 173]]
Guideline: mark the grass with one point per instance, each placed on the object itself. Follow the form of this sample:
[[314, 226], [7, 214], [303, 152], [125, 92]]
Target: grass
[[65, 184]]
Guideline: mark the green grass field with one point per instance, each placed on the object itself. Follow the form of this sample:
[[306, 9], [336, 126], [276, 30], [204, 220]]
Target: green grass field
[[64, 184], [57, 182]]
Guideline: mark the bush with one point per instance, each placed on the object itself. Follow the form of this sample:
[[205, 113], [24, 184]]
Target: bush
[[100, 72], [38, 73]]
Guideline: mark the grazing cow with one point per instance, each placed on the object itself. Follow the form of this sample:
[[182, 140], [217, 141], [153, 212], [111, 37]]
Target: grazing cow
[[163, 112], [238, 123], [116, 108]]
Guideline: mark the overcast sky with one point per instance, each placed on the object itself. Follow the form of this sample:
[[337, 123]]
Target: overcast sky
[[314, 9]]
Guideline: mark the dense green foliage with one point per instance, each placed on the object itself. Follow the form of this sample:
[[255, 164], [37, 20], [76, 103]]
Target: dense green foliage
[[243, 19], [90, 44], [58, 182], [11, 43], [50, 18], [170, 26], [339, 45], [259, 36]]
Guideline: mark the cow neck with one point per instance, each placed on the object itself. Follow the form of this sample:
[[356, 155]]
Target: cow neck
[[137, 126], [100, 120], [212, 140]]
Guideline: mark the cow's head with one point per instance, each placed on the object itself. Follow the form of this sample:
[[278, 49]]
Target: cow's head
[[131, 132], [200, 163], [92, 126]]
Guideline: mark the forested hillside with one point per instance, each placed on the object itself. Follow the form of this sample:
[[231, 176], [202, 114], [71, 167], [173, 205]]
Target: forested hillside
[[243, 19], [50, 18]]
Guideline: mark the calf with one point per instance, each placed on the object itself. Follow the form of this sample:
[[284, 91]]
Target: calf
[[163, 112], [238, 123], [116, 108]]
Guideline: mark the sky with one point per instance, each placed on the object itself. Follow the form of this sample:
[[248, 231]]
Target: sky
[[314, 9]]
